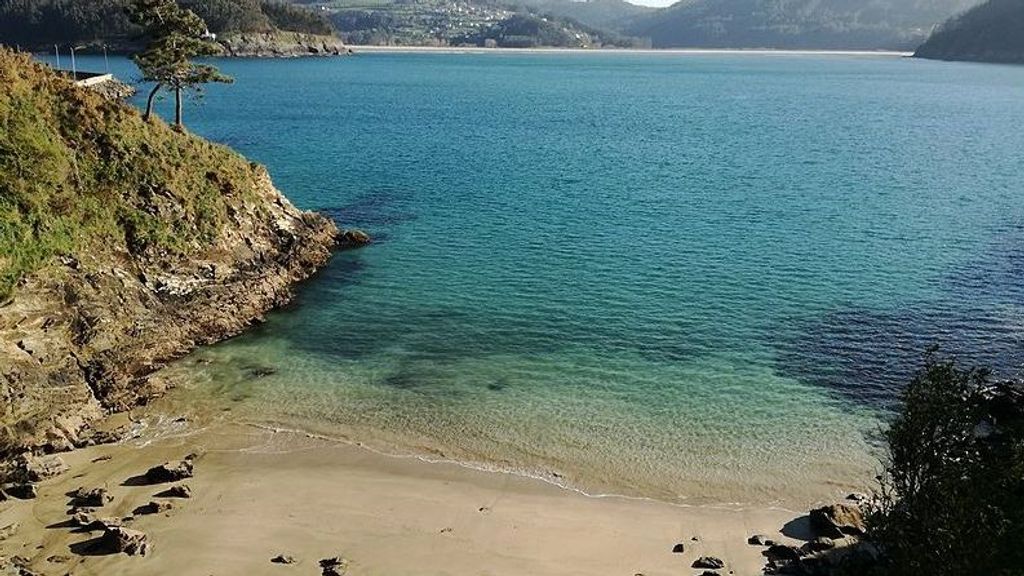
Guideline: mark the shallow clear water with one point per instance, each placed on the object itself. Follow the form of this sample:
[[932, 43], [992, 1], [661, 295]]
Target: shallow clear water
[[694, 277]]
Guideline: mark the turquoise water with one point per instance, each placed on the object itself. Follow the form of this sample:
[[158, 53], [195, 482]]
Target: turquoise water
[[694, 277]]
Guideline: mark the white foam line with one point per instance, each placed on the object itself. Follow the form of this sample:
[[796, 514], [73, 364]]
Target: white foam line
[[492, 469]]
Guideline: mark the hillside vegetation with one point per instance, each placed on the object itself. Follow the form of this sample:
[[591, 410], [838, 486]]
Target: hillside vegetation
[[82, 174], [836, 24], [123, 244], [42, 23], [991, 32]]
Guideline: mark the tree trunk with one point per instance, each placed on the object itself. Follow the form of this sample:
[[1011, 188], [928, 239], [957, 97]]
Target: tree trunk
[[177, 107], [149, 101]]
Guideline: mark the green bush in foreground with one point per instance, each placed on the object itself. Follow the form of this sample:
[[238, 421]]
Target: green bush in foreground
[[83, 175], [952, 495]]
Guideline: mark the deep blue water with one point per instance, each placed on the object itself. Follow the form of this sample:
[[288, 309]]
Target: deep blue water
[[697, 277]]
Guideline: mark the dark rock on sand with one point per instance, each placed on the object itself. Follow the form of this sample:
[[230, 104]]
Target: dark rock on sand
[[21, 491], [93, 498], [819, 544], [336, 566], [125, 540], [783, 553], [168, 472], [283, 559], [837, 520], [29, 468], [759, 540], [708, 562], [678, 549], [709, 573], [179, 491], [153, 507]]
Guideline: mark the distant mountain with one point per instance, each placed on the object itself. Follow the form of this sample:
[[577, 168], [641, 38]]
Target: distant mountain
[[831, 24], [991, 32], [607, 14], [530, 31]]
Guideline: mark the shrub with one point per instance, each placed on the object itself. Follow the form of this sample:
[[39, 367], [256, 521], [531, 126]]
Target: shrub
[[951, 501]]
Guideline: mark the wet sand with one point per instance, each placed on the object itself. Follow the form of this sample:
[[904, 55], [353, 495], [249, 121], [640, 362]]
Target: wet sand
[[259, 493]]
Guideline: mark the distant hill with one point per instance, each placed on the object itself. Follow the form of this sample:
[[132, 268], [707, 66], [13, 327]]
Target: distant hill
[[825, 24], [530, 31], [520, 23], [613, 15], [991, 32]]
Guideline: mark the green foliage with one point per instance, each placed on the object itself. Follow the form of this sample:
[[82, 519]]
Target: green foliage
[[990, 32], [284, 16], [952, 496], [174, 36], [40, 24], [82, 175]]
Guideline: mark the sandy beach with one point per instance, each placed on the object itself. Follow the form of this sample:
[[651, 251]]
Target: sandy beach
[[259, 493], [664, 51]]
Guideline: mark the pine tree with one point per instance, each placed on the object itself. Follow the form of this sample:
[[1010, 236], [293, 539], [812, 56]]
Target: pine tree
[[175, 37]]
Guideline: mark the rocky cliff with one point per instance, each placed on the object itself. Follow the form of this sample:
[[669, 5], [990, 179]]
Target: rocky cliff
[[280, 44], [123, 244]]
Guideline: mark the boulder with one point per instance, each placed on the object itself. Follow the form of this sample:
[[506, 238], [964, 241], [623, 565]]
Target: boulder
[[678, 549], [336, 566], [125, 540], [93, 498], [283, 559], [105, 524], [819, 544], [783, 553], [838, 520], [759, 540], [179, 491], [153, 507], [8, 531], [168, 472], [353, 238], [708, 562], [22, 491], [29, 468]]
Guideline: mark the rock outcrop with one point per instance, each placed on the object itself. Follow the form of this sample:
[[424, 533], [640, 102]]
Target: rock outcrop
[[180, 243], [281, 44]]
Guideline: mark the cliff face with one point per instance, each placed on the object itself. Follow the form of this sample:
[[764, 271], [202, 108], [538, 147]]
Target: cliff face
[[123, 244], [991, 32], [280, 44]]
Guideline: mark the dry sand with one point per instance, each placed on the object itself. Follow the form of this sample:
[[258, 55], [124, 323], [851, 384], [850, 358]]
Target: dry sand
[[258, 493]]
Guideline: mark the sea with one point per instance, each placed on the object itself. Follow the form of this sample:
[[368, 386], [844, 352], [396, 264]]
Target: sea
[[698, 278]]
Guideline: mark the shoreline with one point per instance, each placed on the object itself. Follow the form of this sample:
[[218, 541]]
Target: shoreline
[[258, 493], [357, 48]]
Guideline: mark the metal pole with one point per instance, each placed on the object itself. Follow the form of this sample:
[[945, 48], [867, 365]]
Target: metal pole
[[74, 69], [56, 50], [105, 61]]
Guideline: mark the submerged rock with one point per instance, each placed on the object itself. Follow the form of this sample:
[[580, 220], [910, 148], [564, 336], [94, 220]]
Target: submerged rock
[[353, 238]]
